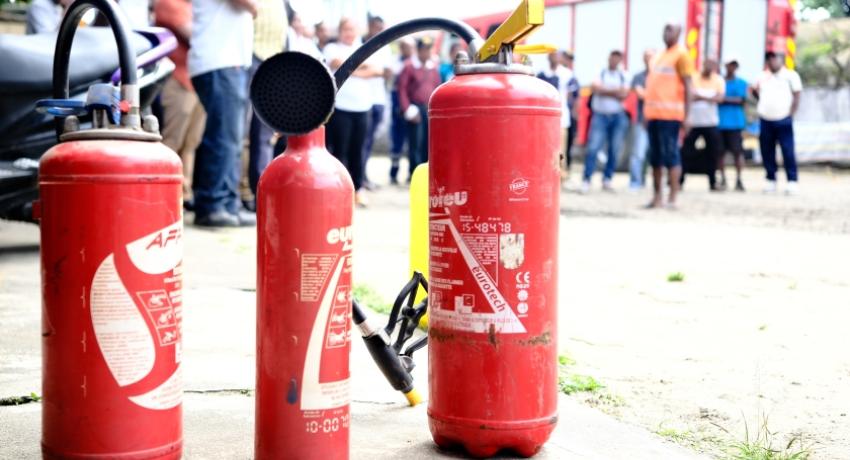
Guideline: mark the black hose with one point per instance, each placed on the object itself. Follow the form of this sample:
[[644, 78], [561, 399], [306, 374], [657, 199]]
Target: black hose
[[358, 315], [391, 34], [65, 39]]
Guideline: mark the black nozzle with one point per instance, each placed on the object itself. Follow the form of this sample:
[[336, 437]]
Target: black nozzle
[[293, 93]]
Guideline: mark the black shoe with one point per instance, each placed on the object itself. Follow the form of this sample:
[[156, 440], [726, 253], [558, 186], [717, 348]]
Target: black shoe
[[394, 172], [216, 219], [189, 205], [369, 185], [250, 205], [739, 186], [246, 218]]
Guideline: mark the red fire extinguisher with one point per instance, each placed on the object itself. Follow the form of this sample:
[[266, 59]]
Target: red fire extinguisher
[[111, 253], [305, 205], [494, 207]]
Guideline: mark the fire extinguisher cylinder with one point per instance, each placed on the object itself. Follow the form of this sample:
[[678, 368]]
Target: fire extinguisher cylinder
[[305, 204]]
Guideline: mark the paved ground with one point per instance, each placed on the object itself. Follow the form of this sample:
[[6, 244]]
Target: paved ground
[[219, 353], [757, 328]]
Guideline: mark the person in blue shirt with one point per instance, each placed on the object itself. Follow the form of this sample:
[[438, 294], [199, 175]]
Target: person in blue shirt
[[732, 123]]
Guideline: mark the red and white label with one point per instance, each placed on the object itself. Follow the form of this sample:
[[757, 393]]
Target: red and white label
[[139, 334]]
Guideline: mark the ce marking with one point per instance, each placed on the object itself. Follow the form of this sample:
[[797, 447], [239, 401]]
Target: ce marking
[[523, 278]]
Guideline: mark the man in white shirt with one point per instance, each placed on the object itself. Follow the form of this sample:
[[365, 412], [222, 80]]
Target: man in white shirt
[[346, 131], [609, 122], [778, 92], [222, 37]]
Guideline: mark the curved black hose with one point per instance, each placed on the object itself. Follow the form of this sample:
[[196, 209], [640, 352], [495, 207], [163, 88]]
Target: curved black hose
[[391, 34], [65, 39]]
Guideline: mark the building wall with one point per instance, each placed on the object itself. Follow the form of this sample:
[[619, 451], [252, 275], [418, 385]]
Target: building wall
[[744, 23]]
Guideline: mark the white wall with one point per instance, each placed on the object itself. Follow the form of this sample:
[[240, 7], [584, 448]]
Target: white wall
[[600, 28], [556, 30], [646, 29], [744, 35]]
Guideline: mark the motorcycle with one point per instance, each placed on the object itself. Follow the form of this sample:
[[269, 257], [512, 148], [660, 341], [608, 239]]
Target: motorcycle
[[27, 76]]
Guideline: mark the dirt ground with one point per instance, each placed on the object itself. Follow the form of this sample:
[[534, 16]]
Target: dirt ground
[[754, 338]]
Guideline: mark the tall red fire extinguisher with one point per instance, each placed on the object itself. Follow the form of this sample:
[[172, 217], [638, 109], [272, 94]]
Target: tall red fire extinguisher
[[305, 204], [111, 253], [494, 207]]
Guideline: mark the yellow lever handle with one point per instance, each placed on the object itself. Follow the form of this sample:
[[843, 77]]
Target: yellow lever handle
[[537, 48], [524, 20]]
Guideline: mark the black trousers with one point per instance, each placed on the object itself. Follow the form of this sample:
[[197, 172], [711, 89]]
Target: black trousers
[[345, 135], [571, 137], [702, 161]]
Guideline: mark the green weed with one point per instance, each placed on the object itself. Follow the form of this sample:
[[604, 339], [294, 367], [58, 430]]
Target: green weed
[[18, 400], [676, 277], [368, 297], [575, 383], [763, 445]]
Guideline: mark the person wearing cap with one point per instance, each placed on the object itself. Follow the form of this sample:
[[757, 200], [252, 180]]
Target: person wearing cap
[[778, 92], [666, 106], [419, 78], [398, 125], [347, 129], [709, 89], [733, 120]]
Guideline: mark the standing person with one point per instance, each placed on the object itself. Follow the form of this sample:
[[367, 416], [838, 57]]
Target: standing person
[[640, 138], [778, 93], [666, 107], [270, 31], [398, 126], [300, 38], [222, 36], [382, 60], [419, 78], [708, 91], [559, 76], [348, 126], [184, 117], [573, 88], [323, 37], [447, 67], [609, 123], [733, 120]]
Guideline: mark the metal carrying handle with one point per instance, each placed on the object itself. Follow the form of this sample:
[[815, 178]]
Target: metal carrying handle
[[523, 21], [126, 56]]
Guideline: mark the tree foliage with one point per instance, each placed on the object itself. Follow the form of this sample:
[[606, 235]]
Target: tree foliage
[[825, 60], [832, 6]]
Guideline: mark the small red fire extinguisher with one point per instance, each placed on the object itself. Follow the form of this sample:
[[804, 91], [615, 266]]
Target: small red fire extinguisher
[[494, 207], [111, 252], [305, 205]]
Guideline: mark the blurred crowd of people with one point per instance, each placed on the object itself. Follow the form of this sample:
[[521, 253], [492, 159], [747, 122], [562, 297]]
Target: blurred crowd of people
[[677, 106], [207, 120]]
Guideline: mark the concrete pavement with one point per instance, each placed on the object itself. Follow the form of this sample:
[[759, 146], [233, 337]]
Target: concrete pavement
[[219, 306]]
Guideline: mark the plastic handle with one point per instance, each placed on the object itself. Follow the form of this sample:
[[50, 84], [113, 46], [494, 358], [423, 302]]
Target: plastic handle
[[61, 107], [524, 20], [537, 48]]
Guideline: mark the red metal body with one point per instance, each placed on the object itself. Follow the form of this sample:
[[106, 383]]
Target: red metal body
[[111, 255], [494, 207], [305, 205]]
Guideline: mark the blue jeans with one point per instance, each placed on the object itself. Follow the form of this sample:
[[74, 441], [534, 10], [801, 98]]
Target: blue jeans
[[605, 130], [781, 131], [398, 134], [260, 151], [637, 160], [664, 143], [376, 114], [215, 183]]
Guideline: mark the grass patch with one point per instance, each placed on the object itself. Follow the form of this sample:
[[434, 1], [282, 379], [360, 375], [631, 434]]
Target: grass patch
[[566, 360], [575, 383], [368, 297], [676, 277], [764, 445], [18, 400], [677, 436]]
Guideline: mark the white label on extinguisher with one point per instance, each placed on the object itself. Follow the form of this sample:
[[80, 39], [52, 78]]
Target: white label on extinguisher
[[316, 395], [121, 331], [130, 345], [482, 254]]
